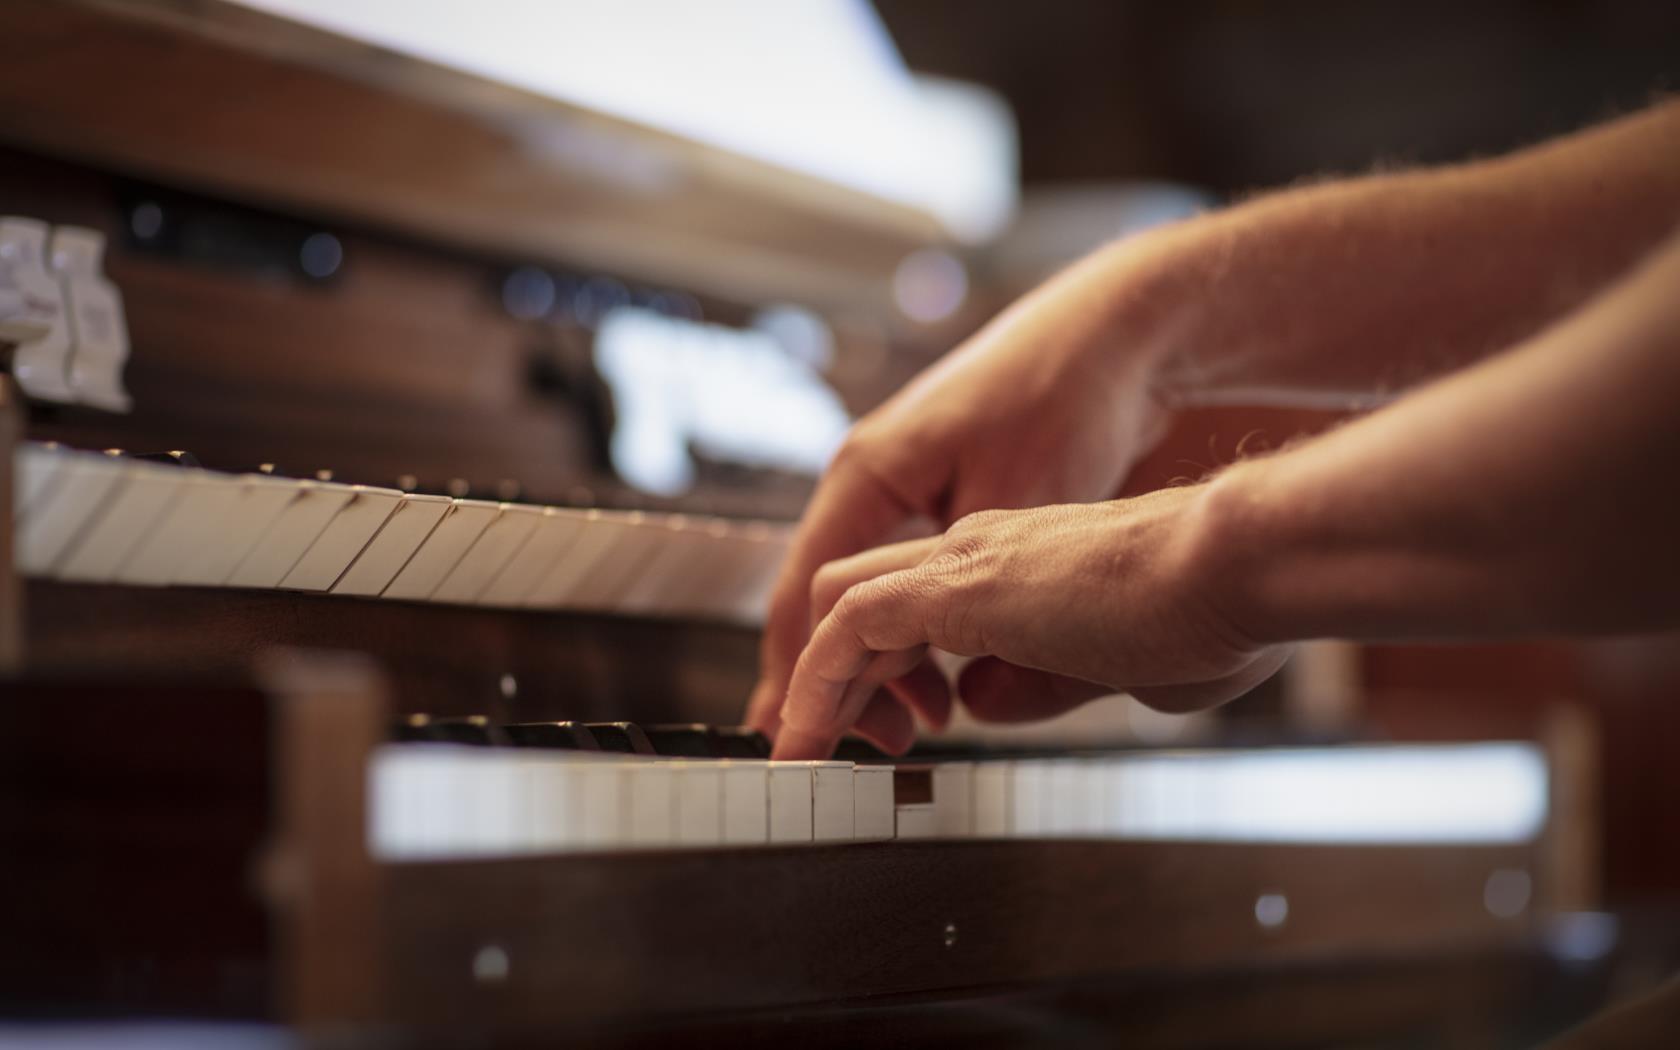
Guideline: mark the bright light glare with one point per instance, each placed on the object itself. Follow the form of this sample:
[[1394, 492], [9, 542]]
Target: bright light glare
[[734, 395], [1467, 793], [815, 86]]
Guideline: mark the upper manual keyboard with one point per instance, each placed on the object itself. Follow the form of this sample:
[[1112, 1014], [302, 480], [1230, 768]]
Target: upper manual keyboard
[[100, 518]]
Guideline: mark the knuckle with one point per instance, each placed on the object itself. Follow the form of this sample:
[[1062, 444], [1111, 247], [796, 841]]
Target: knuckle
[[851, 606], [827, 584], [976, 521], [860, 448]]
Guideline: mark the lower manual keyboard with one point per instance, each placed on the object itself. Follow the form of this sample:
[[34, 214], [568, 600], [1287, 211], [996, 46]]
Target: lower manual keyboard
[[441, 800]]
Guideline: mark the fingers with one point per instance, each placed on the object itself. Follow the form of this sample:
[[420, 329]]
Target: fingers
[[849, 511], [837, 577], [995, 690], [887, 724], [874, 633], [925, 691]]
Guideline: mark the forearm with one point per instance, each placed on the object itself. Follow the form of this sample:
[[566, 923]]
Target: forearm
[[1349, 293], [1534, 493]]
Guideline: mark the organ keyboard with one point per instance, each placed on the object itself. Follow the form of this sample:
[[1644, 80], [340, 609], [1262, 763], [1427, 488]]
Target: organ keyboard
[[480, 795], [530, 884], [517, 807], [103, 518]]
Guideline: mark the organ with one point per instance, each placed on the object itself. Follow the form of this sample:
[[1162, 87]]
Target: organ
[[391, 708]]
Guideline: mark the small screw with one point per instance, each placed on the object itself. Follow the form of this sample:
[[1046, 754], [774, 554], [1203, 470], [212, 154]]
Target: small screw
[[950, 935], [1271, 910], [490, 964]]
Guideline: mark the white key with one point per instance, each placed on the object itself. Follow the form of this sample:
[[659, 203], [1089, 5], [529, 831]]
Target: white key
[[1092, 784], [635, 539], [493, 549], [767, 548], [601, 810], [413, 519], [992, 803], [584, 555], [651, 803], [314, 504], [524, 768], [953, 799], [790, 801], [1028, 799], [194, 517], [440, 791], [490, 795], [699, 802], [345, 536], [554, 804], [1119, 801], [466, 519], [86, 482], [122, 523], [37, 466], [916, 820], [833, 801], [709, 566], [393, 818], [262, 499], [400, 782], [552, 537], [676, 556], [1063, 806], [746, 801], [872, 800]]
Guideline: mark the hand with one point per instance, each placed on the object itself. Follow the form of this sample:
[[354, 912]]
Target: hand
[[1050, 403], [1062, 604]]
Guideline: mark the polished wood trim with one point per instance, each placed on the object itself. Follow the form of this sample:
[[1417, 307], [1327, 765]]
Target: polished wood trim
[[593, 936], [322, 885], [208, 95], [13, 419], [440, 659]]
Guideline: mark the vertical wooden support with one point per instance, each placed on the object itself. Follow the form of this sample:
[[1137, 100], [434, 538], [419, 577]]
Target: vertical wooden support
[[329, 713], [12, 419], [1571, 861]]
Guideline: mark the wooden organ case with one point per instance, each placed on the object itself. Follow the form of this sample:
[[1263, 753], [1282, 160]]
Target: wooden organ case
[[187, 769]]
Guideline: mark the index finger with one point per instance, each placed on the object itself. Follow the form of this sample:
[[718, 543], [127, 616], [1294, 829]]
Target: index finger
[[851, 509], [876, 632]]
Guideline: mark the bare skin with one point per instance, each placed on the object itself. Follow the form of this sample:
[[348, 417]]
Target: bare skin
[[1416, 521]]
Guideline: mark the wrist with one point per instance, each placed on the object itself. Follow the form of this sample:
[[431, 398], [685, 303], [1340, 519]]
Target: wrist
[[1132, 300], [1159, 283], [1245, 541]]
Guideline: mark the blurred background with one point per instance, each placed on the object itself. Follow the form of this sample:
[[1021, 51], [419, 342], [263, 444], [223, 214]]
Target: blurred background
[[658, 256]]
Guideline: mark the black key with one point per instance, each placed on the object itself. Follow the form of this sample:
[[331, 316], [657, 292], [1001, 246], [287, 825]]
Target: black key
[[694, 740], [176, 458], [857, 749], [569, 736], [623, 737], [468, 729], [740, 742]]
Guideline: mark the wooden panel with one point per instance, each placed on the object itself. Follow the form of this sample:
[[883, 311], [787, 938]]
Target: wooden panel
[[210, 95], [130, 819], [589, 936], [441, 659], [12, 413]]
